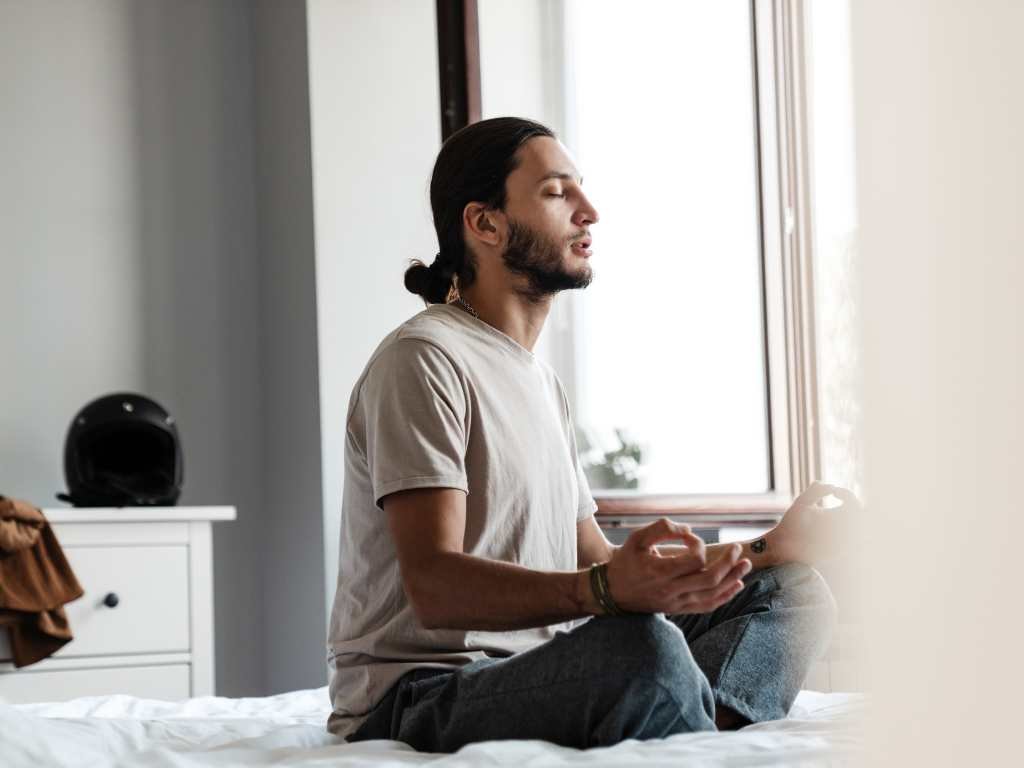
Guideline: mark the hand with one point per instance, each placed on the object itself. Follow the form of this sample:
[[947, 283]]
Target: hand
[[642, 580], [809, 533]]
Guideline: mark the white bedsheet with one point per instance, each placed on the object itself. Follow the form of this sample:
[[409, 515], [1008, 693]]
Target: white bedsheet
[[823, 728]]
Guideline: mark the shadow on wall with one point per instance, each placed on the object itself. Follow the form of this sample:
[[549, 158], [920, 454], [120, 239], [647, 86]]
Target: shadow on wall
[[216, 329], [198, 302]]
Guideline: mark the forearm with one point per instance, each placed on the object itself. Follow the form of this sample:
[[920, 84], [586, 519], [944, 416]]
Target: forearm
[[454, 590], [759, 551]]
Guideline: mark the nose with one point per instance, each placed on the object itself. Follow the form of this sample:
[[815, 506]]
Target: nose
[[586, 213]]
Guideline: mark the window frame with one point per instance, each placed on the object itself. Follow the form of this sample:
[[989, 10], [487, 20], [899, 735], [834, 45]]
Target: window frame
[[782, 157], [458, 60], [787, 252]]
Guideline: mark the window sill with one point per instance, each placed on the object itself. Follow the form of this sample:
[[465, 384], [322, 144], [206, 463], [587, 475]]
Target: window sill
[[635, 508]]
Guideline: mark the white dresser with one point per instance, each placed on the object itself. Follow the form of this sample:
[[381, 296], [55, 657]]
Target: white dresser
[[144, 626]]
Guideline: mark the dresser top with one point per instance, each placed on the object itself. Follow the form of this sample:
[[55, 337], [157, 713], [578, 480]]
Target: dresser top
[[137, 514]]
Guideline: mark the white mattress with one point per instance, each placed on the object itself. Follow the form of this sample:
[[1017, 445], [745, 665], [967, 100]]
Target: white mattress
[[823, 728]]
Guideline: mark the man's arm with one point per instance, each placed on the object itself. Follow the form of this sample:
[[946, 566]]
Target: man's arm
[[448, 588], [807, 533], [756, 551], [594, 547]]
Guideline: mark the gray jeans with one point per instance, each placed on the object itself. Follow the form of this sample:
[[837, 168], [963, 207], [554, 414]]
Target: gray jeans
[[641, 676]]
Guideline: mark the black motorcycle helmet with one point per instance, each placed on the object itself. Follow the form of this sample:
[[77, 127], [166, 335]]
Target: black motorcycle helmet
[[122, 450]]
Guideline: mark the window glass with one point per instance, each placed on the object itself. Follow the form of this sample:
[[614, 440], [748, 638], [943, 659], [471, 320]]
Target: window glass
[[663, 355], [833, 201]]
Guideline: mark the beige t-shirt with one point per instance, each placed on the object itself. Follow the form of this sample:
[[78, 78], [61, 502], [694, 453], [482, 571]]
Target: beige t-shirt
[[447, 401]]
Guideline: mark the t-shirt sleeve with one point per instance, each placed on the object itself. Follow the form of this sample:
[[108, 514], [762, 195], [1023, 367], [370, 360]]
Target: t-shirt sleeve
[[414, 413], [587, 506]]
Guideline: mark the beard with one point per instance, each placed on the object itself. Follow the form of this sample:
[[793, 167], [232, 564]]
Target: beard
[[540, 260]]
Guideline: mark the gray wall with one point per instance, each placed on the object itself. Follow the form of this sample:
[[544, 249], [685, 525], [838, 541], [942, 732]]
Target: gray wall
[[70, 210], [156, 235], [197, 241], [294, 612]]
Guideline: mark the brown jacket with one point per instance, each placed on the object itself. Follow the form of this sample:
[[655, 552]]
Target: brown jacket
[[35, 582]]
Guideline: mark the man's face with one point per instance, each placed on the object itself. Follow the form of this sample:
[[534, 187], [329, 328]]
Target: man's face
[[548, 220]]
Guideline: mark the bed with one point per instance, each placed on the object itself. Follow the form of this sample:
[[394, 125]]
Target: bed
[[288, 729]]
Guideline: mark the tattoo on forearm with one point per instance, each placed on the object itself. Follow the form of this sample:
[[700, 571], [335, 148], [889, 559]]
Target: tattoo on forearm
[[759, 546]]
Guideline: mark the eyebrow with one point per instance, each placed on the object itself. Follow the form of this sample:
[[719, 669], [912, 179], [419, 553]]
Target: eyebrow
[[559, 175]]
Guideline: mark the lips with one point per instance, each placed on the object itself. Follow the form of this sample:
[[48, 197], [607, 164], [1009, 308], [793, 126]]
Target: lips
[[582, 247]]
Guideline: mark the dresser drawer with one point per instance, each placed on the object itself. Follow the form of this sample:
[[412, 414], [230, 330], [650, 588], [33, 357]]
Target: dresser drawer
[[152, 612], [170, 682]]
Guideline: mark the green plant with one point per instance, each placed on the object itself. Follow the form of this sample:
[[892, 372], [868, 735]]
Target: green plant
[[619, 468]]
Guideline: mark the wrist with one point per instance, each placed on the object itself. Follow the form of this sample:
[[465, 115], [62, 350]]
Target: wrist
[[601, 590], [586, 600], [762, 552]]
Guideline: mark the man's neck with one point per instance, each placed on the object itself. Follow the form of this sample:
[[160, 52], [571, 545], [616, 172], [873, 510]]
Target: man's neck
[[511, 313]]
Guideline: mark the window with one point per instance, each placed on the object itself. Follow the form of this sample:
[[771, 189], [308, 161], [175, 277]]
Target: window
[[689, 360], [830, 106], [669, 339]]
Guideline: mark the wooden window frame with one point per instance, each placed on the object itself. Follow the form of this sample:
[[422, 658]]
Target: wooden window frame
[[783, 173], [458, 59]]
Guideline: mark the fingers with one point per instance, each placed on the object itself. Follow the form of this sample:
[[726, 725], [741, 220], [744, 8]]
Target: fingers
[[657, 532], [705, 600], [712, 574], [695, 544], [676, 583], [701, 575]]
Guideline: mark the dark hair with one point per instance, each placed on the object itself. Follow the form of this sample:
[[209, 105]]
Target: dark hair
[[472, 166]]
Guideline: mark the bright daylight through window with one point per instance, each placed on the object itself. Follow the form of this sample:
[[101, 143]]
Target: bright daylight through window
[[663, 355]]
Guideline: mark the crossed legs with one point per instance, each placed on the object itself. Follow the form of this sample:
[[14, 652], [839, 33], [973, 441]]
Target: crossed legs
[[628, 677]]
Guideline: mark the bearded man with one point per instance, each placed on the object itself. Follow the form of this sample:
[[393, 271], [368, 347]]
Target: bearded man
[[477, 597]]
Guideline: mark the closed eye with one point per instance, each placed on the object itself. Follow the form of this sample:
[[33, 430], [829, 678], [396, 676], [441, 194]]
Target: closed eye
[[555, 194]]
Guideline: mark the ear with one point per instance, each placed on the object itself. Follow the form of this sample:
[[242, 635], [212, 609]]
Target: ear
[[482, 224]]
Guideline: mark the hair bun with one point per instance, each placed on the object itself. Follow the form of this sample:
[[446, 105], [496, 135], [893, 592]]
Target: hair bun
[[431, 283], [417, 278]]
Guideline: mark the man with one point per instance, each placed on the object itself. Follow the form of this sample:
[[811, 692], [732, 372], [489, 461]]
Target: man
[[471, 564]]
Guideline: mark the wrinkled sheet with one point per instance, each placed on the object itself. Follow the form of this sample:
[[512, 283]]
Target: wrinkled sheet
[[288, 729]]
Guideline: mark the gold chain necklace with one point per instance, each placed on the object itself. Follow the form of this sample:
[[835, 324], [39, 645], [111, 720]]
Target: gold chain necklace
[[466, 305]]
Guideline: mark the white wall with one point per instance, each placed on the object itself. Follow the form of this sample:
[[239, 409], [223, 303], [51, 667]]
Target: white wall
[[939, 118], [521, 63], [156, 235], [374, 93]]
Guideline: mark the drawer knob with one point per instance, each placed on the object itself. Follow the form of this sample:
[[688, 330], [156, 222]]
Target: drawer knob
[[111, 600]]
